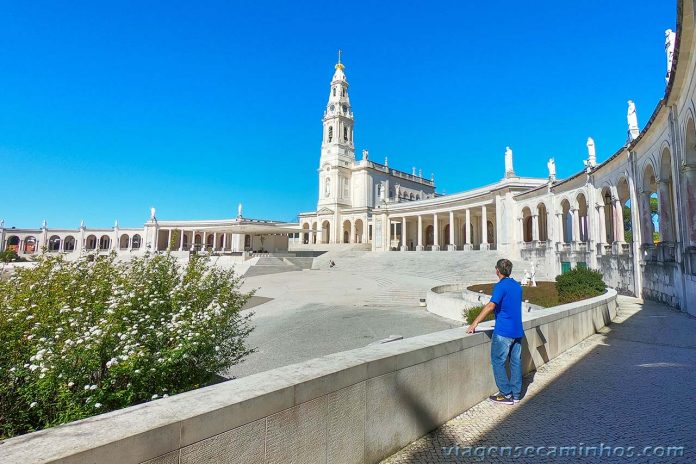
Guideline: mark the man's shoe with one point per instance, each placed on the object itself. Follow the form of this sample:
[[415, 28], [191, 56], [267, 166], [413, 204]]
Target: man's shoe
[[501, 399], [515, 400]]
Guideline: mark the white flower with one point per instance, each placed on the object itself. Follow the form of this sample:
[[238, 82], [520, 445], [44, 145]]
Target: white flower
[[34, 403], [154, 397], [97, 405], [165, 396], [71, 384], [87, 387], [33, 367]]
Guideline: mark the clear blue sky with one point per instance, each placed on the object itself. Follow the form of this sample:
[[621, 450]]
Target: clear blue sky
[[192, 107]]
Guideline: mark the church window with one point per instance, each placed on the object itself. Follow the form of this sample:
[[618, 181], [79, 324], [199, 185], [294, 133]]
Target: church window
[[334, 91], [327, 187], [345, 134], [330, 133], [343, 93]]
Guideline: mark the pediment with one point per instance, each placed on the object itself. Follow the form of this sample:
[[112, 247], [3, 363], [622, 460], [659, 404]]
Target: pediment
[[324, 211]]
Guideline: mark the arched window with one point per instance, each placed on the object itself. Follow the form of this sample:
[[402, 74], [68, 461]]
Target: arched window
[[30, 245], [334, 91], [327, 187], [69, 243], [345, 134], [343, 92], [13, 243], [330, 133], [54, 243], [135, 243], [104, 242]]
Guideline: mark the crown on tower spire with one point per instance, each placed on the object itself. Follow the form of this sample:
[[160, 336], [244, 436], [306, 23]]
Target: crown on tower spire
[[339, 65]]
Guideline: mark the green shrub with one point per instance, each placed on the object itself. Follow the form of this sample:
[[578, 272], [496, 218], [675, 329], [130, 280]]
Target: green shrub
[[472, 313], [9, 256], [578, 284], [81, 338]]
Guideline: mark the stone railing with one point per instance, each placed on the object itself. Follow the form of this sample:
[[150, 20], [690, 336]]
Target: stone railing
[[356, 406]]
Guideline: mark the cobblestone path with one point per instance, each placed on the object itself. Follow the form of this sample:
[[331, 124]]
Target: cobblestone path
[[633, 385]]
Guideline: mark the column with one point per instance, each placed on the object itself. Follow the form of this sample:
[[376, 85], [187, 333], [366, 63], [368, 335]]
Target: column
[[436, 233], [181, 240], [203, 242], [535, 228], [169, 239], [404, 243], [646, 223], [602, 227], [520, 228], [215, 242], [618, 221], [689, 185], [665, 211], [452, 244], [224, 241], [559, 228], [419, 247], [193, 240], [576, 225], [352, 232], [467, 230], [484, 229]]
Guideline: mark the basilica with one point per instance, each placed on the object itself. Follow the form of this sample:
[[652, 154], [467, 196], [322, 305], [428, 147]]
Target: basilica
[[599, 218]]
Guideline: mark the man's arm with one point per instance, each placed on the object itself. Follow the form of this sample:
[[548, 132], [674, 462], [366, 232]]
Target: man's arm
[[482, 315]]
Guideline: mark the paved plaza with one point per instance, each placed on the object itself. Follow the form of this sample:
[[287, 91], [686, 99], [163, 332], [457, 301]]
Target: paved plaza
[[630, 386], [366, 297]]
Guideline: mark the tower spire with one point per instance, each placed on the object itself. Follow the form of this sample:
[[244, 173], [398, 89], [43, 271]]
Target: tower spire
[[339, 65]]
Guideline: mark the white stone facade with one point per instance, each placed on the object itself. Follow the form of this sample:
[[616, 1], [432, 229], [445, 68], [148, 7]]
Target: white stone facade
[[558, 225], [220, 236]]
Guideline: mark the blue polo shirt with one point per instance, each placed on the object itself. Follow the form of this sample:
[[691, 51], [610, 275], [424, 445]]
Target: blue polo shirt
[[507, 296]]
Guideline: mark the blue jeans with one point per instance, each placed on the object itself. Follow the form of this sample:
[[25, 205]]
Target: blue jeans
[[501, 349]]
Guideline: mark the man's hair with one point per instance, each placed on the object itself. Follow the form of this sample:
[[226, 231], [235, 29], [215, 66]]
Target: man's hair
[[504, 266]]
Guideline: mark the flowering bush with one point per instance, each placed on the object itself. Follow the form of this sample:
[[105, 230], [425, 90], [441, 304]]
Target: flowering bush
[[85, 337]]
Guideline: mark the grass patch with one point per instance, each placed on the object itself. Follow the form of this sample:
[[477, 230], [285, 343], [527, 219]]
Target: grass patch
[[544, 294]]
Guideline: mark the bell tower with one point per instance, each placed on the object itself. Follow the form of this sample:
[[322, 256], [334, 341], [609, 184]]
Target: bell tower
[[337, 149]]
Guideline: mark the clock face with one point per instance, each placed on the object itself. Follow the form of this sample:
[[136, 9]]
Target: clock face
[[345, 109]]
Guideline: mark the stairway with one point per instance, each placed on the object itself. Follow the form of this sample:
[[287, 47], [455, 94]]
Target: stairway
[[271, 265]]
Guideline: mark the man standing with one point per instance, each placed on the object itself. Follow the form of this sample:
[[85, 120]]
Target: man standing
[[506, 343]]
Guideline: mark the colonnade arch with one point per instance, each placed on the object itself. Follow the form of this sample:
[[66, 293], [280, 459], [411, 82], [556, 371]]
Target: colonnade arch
[[54, 243]]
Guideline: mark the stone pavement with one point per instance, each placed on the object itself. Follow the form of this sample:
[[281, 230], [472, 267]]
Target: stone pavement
[[633, 385], [365, 298]]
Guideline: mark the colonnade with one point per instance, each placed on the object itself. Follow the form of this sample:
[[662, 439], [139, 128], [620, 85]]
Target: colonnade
[[452, 229]]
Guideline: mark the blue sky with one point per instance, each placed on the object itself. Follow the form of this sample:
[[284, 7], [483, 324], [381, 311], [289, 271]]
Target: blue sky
[[192, 107]]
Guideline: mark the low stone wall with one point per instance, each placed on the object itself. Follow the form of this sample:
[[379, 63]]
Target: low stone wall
[[440, 300], [357, 406]]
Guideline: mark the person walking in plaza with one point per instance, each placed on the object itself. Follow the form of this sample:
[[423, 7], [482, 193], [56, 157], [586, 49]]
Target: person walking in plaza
[[506, 343]]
